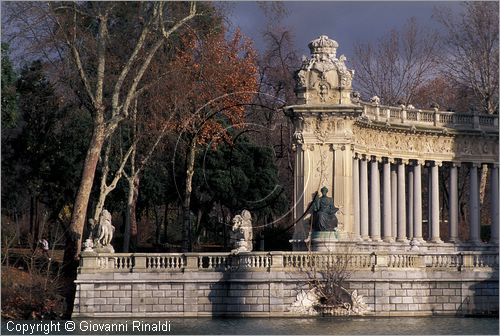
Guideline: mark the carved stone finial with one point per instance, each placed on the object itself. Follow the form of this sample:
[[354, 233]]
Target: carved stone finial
[[355, 97], [323, 45], [323, 78], [375, 100]]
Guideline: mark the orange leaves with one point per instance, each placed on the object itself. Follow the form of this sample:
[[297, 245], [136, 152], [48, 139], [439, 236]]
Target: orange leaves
[[214, 78]]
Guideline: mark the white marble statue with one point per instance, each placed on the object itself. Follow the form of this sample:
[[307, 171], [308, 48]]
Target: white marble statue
[[375, 100], [305, 302], [241, 234], [105, 231]]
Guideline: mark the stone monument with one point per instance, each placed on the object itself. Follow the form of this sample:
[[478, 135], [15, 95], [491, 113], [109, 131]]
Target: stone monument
[[323, 120], [324, 218], [241, 232]]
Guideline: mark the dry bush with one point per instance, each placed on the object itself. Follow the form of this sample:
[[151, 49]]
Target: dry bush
[[31, 294]]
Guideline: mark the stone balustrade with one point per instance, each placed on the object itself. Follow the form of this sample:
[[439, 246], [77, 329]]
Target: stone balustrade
[[430, 118], [278, 261]]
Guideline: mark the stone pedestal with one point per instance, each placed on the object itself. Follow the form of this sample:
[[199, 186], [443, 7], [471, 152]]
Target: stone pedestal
[[324, 241], [104, 249]]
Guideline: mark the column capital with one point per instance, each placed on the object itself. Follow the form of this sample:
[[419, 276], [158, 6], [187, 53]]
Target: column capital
[[476, 164], [485, 165], [493, 165], [431, 163], [387, 160], [403, 161], [455, 164], [418, 161]]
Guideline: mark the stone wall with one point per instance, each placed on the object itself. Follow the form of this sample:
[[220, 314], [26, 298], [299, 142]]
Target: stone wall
[[270, 291]]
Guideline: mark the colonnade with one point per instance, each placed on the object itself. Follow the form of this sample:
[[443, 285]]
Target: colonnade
[[388, 200]]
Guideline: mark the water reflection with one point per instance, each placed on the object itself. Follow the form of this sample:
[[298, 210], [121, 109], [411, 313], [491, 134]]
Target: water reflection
[[280, 326], [337, 326]]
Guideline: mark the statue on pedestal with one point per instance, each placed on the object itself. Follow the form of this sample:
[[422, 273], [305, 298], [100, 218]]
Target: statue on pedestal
[[324, 218], [105, 233], [241, 234]]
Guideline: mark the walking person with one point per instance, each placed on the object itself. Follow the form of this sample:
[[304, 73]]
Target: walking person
[[45, 248]]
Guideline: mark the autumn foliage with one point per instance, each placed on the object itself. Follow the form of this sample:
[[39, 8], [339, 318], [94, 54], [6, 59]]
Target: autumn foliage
[[211, 81]]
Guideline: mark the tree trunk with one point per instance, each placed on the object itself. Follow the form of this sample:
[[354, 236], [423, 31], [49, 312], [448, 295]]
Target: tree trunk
[[32, 222], [130, 233], [73, 243], [224, 229], [158, 232], [18, 227], [197, 230], [134, 229], [165, 223], [483, 199], [186, 227]]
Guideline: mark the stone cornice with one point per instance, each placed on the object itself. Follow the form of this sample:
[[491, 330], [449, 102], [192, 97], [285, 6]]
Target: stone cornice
[[423, 129], [425, 146], [348, 109]]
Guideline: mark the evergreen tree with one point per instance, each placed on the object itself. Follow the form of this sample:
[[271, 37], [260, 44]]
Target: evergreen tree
[[238, 176], [9, 98], [48, 149]]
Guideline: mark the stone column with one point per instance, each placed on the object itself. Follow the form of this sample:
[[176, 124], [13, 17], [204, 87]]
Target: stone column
[[401, 237], [374, 200], [474, 233], [387, 213], [301, 227], [394, 201], [417, 202], [435, 203], [363, 189], [453, 206], [494, 203], [342, 188], [355, 197], [409, 204]]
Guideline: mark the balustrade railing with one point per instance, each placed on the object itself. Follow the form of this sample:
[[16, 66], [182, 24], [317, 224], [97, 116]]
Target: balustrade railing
[[405, 115], [165, 261], [289, 261], [320, 261], [402, 260]]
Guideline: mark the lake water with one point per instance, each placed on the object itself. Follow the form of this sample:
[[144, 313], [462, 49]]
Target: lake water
[[339, 326], [278, 326]]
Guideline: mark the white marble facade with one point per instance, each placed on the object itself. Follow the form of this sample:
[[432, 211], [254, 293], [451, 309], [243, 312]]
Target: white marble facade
[[375, 158]]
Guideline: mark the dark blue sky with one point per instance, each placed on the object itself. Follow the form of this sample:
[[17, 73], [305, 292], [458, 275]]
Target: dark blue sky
[[345, 22]]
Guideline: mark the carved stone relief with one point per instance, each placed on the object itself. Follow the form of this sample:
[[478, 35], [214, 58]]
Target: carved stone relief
[[374, 140], [321, 173]]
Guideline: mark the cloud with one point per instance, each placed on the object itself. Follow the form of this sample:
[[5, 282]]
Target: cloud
[[345, 22]]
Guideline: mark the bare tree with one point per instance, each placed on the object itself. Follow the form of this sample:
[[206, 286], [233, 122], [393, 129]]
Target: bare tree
[[107, 83], [471, 50], [447, 94], [397, 65], [277, 64]]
